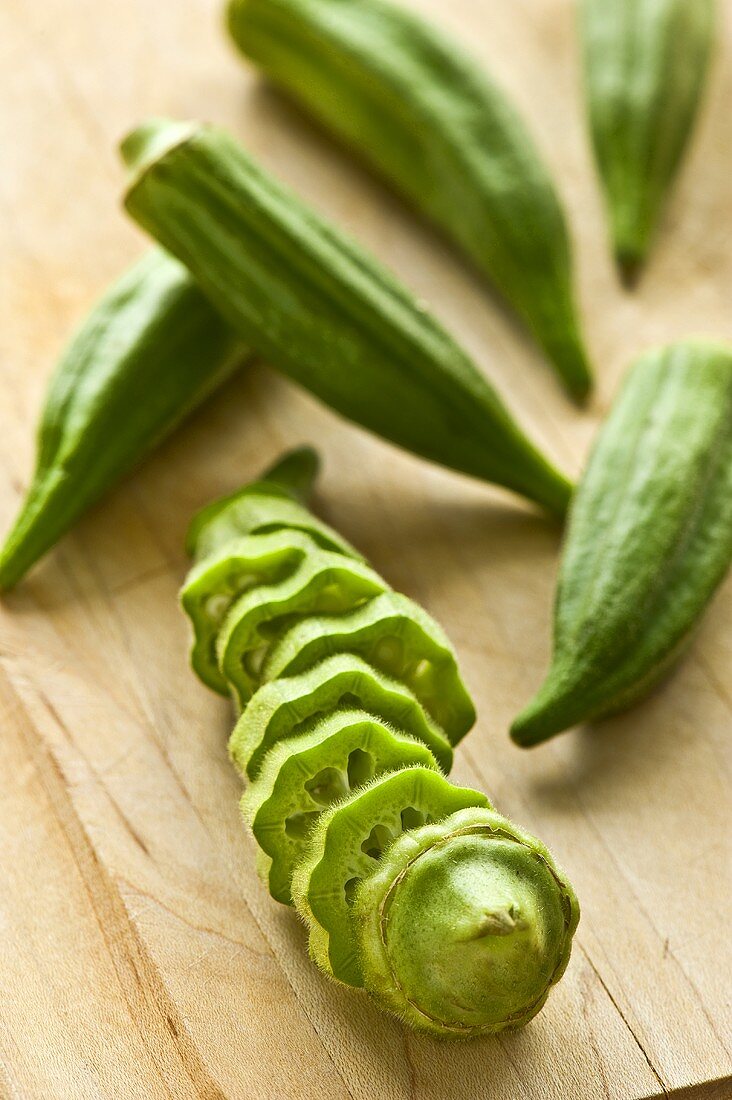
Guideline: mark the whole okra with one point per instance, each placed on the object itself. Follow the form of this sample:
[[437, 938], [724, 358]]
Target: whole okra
[[148, 353], [421, 113], [646, 63], [352, 702], [648, 542], [323, 311]]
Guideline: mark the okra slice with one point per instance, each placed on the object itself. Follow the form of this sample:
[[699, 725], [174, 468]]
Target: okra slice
[[464, 927], [397, 637], [214, 584], [322, 582], [345, 846], [303, 775], [282, 708]]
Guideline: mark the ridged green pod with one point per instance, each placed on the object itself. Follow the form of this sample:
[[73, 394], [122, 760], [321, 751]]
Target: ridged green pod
[[649, 539], [351, 716], [423, 115], [323, 311], [646, 64], [150, 351]]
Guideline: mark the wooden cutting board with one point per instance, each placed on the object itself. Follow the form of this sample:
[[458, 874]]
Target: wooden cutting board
[[140, 955]]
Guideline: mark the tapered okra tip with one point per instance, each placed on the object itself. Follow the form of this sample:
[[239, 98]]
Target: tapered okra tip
[[572, 363], [629, 262], [295, 471], [465, 926], [552, 710], [152, 139]]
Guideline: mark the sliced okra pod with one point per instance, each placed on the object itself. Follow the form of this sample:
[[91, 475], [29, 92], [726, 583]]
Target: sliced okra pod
[[423, 115], [649, 539], [646, 63], [283, 707], [458, 924], [303, 775], [151, 350], [323, 582], [396, 636], [323, 311]]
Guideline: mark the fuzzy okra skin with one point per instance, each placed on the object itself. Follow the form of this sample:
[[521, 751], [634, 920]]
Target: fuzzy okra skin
[[423, 115], [648, 542], [323, 311], [411, 888], [646, 63], [150, 351]]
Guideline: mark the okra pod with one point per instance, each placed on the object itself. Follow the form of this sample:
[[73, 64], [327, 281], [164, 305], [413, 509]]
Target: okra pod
[[148, 353], [323, 311], [423, 115], [648, 542], [646, 63], [412, 889]]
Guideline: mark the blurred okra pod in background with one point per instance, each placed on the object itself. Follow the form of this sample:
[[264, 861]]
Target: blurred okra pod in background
[[423, 115], [646, 64]]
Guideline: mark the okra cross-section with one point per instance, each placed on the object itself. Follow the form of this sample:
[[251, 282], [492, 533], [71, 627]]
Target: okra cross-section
[[283, 707], [347, 842], [303, 775], [358, 707]]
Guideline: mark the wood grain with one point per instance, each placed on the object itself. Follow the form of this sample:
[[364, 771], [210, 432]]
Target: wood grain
[[140, 955]]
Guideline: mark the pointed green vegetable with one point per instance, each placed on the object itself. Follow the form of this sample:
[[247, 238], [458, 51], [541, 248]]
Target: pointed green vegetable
[[323, 311], [646, 64], [151, 350], [423, 115], [649, 539], [411, 888]]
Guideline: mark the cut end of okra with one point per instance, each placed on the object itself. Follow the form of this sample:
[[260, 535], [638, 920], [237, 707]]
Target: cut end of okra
[[152, 139], [464, 927]]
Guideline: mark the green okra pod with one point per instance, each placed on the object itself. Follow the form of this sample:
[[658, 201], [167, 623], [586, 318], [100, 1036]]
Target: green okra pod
[[411, 888], [148, 353], [648, 542], [646, 63], [322, 310], [424, 116]]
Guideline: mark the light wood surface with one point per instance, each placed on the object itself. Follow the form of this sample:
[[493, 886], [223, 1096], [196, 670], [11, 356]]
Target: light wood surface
[[140, 956]]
